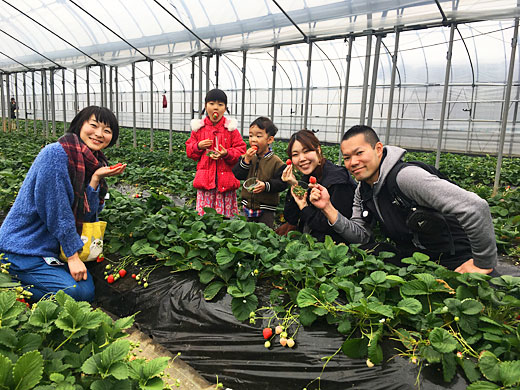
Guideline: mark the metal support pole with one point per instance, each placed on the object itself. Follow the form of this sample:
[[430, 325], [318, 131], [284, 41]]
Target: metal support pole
[[505, 111], [17, 101], [192, 87], [200, 86], [133, 106], [64, 101], [34, 102], [44, 104], [25, 102], [208, 64], [373, 85], [365, 80], [345, 94], [2, 98], [170, 141], [308, 86], [75, 92], [273, 91], [116, 70], [102, 84], [243, 108], [87, 80], [151, 105], [8, 92], [217, 64], [110, 89], [444, 96], [392, 87], [53, 103]]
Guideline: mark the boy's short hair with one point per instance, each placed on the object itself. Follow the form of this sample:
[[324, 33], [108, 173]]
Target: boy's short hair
[[102, 115], [368, 132], [266, 124]]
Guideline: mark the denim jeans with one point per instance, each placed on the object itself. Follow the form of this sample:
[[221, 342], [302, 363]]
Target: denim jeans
[[43, 279]]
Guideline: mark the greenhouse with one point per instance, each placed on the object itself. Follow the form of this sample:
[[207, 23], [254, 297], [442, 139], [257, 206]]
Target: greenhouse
[[250, 306]]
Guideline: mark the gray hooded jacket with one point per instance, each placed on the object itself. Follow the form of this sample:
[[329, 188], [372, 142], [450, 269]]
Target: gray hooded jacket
[[428, 190]]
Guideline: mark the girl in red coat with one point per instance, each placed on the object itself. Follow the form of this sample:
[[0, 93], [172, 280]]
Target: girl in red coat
[[217, 145]]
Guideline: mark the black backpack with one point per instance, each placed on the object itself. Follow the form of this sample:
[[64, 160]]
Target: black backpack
[[419, 219]]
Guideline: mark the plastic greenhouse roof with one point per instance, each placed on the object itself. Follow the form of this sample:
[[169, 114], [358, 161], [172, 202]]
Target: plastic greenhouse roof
[[38, 34]]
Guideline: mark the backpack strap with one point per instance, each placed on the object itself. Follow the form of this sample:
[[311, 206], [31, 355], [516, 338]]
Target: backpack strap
[[416, 214]]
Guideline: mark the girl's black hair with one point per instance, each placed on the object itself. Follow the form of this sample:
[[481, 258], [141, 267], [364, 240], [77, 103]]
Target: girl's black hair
[[102, 115]]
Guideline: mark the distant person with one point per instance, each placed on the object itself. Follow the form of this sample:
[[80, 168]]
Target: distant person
[[13, 109], [64, 187], [216, 145], [261, 163], [304, 150], [418, 210]]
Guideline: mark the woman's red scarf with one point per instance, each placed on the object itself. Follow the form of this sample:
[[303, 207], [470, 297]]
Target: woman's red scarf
[[82, 164]]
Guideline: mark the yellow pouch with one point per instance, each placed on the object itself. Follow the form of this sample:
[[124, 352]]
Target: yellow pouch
[[92, 237]]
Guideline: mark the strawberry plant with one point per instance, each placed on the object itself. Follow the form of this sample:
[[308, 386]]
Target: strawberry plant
[[65, 344]]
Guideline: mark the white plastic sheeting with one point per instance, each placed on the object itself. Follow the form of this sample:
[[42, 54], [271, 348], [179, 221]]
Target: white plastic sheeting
[[77, 33]]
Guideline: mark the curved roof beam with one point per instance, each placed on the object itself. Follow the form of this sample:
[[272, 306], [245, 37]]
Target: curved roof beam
[[53, 33], [30, 48], [12, 59], [305, 37], [183, 25], [112, 31]]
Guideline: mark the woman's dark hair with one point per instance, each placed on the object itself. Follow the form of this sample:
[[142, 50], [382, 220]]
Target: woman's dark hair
[[310, 142], [102, 115], [265, 124]]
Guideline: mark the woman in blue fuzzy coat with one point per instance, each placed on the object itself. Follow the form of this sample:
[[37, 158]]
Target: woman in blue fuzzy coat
[[64, 187]]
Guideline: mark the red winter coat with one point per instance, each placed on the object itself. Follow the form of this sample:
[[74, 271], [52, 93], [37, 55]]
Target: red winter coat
[[215, 173]]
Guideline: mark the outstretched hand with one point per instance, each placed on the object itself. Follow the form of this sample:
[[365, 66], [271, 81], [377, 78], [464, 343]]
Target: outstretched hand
[[288, 176], [319, 197], [103, 172], [469, 266]]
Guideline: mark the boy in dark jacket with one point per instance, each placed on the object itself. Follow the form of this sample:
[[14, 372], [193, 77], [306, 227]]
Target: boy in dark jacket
[[260, 162]]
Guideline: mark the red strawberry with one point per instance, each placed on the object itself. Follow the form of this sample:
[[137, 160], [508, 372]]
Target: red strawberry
[[122, 272], [267, 332], [312, 180], [288, 162], [100, 258], [110, 279], [215, 115], [133, 276], [116, 166]]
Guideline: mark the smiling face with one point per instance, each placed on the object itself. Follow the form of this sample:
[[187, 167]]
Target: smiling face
[[95, 135], [215, 110], [258, 137], [304, 159], [361, 159]]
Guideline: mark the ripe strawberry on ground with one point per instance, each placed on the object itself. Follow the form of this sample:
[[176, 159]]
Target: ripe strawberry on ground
[[312, 180], [134, 276], [122, 272], [267, 332], [110, 279]]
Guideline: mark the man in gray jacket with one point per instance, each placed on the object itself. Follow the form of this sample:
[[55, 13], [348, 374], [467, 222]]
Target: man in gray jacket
[[461, 235]]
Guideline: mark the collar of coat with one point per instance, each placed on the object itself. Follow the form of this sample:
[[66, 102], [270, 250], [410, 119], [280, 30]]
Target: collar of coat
[[230, 124]]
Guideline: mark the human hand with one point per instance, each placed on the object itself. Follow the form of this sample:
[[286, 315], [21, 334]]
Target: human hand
[[249, 154], [469, 266], [288, 176], [301, 202], [205, 144], [103, 172], [319, 197], [77, 268], [260, 187]]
